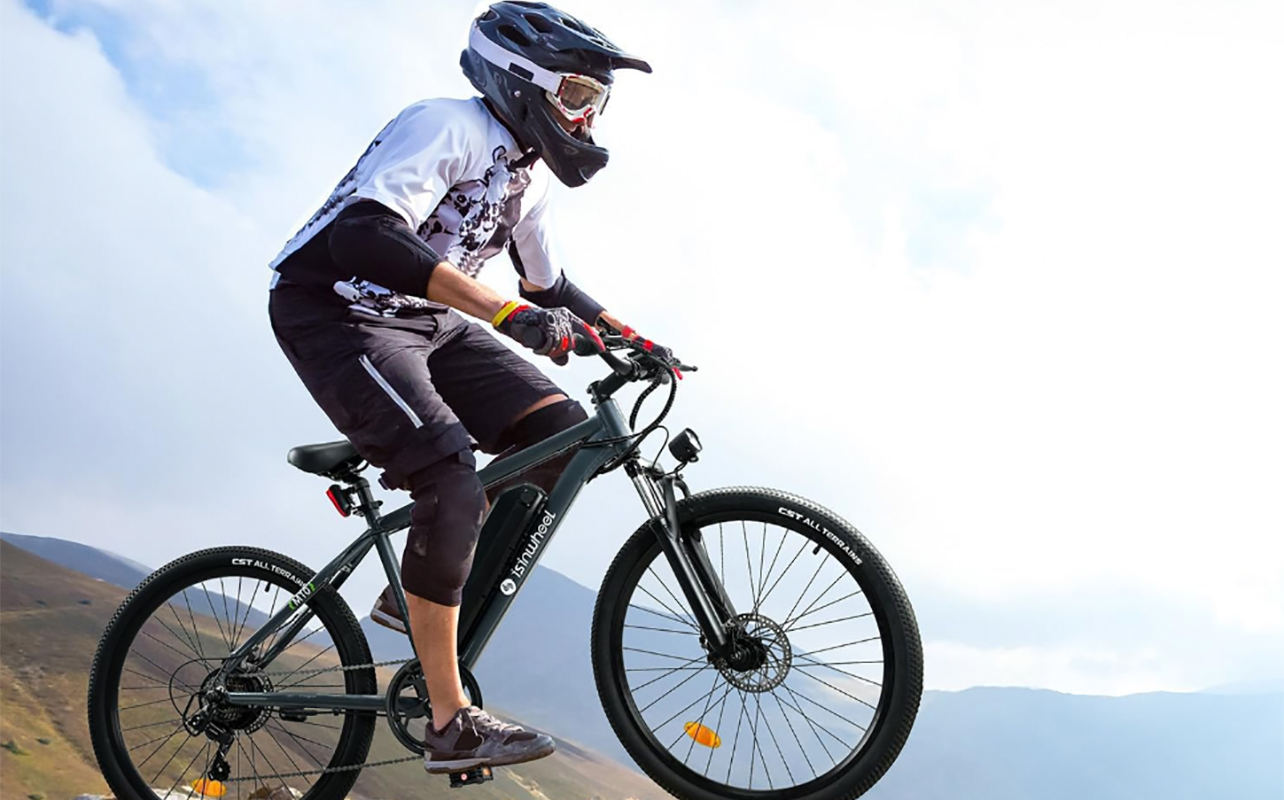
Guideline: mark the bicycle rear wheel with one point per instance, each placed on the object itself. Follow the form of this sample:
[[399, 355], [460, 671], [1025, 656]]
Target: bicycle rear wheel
[[157, 660], [827, 682]]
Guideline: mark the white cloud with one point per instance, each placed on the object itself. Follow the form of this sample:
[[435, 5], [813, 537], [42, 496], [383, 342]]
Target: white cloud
[[999, 284]]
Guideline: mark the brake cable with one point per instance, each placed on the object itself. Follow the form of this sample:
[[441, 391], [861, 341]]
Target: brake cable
[[640, 436]]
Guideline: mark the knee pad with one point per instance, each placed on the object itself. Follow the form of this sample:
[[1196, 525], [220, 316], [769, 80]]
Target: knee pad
[[444, 523], [536, 427], [541, 424]]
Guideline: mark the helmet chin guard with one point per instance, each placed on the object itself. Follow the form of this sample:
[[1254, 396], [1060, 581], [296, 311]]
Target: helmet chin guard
[[517, 53]]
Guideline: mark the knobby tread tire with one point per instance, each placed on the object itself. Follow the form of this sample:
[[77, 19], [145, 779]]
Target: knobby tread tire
[[853, 780], [350, 644]]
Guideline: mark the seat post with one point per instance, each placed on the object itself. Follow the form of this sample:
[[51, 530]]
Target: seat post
[[368, 506]]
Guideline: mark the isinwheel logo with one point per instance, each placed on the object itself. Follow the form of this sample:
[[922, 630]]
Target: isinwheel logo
[[508, 587]]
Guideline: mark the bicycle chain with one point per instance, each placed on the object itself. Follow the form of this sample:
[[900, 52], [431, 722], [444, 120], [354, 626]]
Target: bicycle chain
[[282, 776]]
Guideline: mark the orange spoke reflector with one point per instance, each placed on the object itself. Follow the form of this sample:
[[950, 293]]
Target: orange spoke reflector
[[703, 735], [207, 788]]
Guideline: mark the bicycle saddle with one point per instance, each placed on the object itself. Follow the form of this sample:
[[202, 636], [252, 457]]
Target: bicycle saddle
[[324, 459]]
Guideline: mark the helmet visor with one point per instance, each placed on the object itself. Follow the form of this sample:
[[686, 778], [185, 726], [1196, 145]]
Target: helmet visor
[[579, 98]]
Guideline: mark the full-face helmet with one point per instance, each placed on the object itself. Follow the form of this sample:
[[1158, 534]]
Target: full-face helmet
[[534, 64]]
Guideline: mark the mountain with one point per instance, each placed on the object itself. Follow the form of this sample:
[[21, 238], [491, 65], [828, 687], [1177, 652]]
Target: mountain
[[98, 564], [1015, 744], [50, 622], [990, 743]]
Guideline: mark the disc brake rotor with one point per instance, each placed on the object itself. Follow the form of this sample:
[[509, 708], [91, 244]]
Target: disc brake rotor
[[763, 656]]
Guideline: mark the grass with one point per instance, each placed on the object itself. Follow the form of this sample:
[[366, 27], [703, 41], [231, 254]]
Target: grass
[[48, 638]]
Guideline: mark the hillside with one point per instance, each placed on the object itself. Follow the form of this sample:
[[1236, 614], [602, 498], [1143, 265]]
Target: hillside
[[51, 620]]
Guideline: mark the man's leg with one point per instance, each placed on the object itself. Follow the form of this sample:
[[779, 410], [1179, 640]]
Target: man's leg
[[434, 626]]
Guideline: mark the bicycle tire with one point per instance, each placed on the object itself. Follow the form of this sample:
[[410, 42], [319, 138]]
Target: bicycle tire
[[155, 591], [898, 628]]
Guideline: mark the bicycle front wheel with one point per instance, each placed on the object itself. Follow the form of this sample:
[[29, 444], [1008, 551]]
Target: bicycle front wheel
[[158, 660], [826, 683]]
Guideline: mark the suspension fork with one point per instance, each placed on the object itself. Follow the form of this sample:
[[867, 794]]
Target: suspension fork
[[687, 558]]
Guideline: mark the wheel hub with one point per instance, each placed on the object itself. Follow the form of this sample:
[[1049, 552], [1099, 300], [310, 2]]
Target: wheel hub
[[762, 655], [210, 705]]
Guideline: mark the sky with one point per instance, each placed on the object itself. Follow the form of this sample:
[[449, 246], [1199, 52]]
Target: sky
[[1000, 284]]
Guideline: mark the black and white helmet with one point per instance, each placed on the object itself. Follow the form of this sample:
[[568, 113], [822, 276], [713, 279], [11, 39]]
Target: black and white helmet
[[531, 62]]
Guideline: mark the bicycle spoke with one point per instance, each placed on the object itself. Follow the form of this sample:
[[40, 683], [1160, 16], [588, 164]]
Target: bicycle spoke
[[283, 749], [669, 591], [215, 615], [819, 597], [836, 669], [699, 721], [248, 608], [155, 740], [788, 622], [722, 708], [824, 707], [661, 655], [304, 664], [657, 728], [671, 691], [813, 724], [739, 720], [806, 757], [172, 756], [144, 705], [788, 567], [661, 630], [171, 647], [199, 753], [150, 725], [803, 671], [298, 741], [819, 567], [194, 643], [161, 670], [235, 612], [255, 748], [664, 616], [762, 560], [749, 565], [774, 558], [681, 668], [691, 624], [196, 632], [847, 644], [831, 622]]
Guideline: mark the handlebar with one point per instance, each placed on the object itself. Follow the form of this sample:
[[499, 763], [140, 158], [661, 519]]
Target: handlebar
[[638, 365]]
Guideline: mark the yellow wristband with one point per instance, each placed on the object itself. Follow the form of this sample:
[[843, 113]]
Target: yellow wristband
[[509, 308]]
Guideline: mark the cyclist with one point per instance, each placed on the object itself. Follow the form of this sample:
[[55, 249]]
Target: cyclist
[[364, 303]]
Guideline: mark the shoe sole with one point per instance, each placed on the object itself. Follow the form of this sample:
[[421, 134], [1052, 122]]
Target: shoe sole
[[380, 617], [443, 767]]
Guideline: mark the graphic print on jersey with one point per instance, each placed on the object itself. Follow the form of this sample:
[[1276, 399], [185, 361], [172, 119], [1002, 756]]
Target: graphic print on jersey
[[473, 222], [445, 166]]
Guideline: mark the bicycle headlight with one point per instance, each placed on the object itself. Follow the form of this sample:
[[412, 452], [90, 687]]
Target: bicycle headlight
[[685, 447]]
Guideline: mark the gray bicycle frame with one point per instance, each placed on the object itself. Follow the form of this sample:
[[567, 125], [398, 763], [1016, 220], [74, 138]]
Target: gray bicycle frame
[[602, 439]]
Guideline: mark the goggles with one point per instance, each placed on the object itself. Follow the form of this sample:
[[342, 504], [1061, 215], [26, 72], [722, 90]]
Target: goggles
[[578, 98]]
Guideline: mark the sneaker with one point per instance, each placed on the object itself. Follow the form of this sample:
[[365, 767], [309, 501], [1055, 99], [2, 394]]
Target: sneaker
[[386, 613], [473, 738]]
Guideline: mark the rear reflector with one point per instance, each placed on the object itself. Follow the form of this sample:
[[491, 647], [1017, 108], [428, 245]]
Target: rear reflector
[[340, 500]]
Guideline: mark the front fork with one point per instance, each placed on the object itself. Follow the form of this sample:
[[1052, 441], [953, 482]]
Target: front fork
[[687, 558]]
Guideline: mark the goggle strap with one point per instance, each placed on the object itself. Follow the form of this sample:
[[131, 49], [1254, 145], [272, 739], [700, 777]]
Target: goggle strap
[[511, 62]]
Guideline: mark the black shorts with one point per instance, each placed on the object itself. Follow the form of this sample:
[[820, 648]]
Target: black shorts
[[407, 391]]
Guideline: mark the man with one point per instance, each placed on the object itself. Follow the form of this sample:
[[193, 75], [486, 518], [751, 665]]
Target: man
[[363, 305]]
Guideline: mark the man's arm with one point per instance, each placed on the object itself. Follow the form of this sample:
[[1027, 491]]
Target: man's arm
[[450, 286]]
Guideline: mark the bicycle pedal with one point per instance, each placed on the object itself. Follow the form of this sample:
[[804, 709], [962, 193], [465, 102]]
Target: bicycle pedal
[[471, 777]]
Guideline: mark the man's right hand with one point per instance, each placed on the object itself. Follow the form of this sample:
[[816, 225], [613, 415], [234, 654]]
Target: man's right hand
[[552, 332]]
